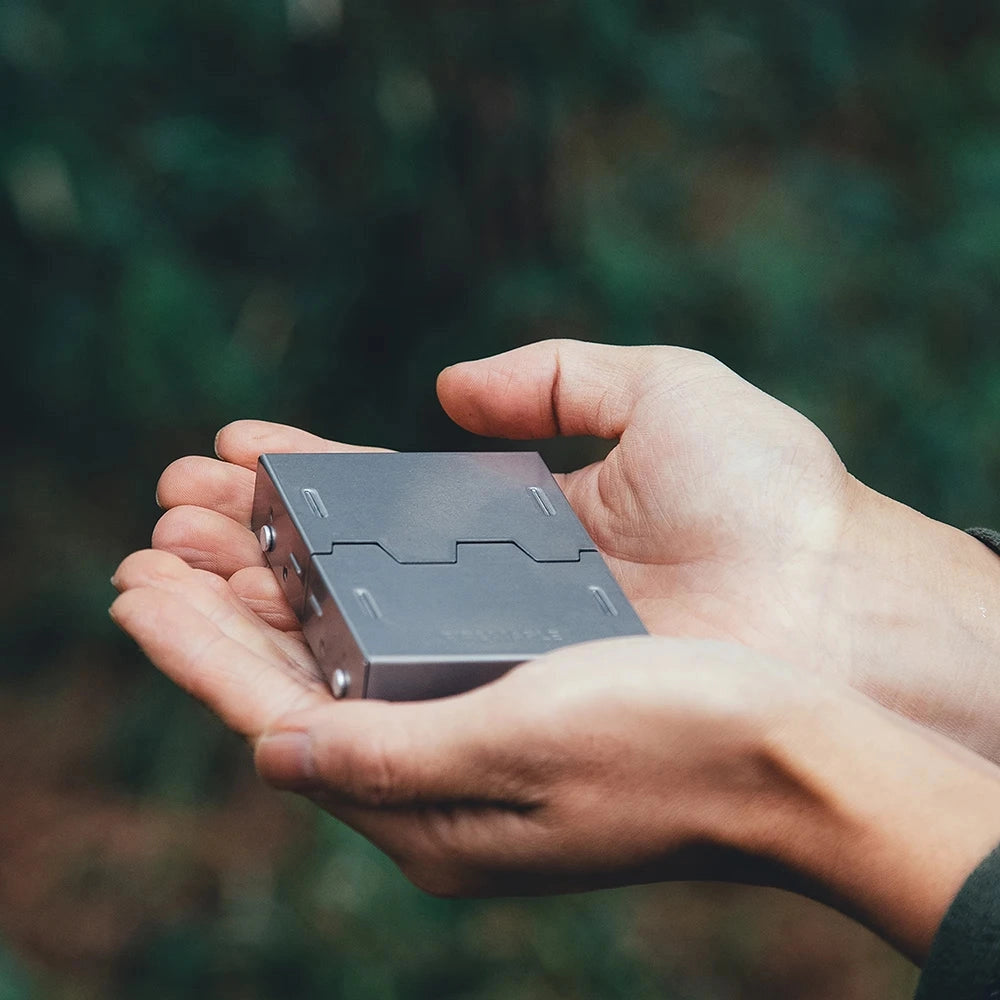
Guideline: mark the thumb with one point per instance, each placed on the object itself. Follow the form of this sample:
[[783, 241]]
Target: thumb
[[550, 388], [386, 754]]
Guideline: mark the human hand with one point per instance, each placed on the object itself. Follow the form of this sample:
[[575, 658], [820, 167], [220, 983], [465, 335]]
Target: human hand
[[649, 759], [722, 512], [597, 765]]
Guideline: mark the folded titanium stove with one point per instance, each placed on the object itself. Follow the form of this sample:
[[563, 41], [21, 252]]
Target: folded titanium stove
[[420, 575]]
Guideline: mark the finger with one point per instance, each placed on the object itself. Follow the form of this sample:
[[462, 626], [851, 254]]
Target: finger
[[151, 568], [497, 744], [204, 644], [554, 387], [377, 754], [260, 591], [206, 539], [243, 441], [206, 482], [169, 573]]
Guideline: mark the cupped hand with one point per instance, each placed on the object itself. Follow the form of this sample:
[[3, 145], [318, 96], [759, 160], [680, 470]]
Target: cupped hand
[[610, 763], [597, 765], [717, 509], [600, 764], [722, 512], [649, 759]]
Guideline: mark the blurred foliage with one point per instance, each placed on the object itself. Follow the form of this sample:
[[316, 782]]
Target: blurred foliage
[[302, 210], [13, 983]]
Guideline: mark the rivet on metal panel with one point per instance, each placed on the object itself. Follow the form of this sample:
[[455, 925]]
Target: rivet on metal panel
[[267, 538], [340, 683]]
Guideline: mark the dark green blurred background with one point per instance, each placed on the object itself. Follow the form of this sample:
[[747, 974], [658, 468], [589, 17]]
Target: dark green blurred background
[[301, 210]]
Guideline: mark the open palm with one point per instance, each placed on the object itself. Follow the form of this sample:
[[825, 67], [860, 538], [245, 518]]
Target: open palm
[[716, 510]]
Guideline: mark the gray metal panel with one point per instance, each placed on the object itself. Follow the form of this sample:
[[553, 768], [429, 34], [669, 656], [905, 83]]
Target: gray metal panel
[[290, 555], [414, 681], [423, 575], [418, 505], [494, 600]]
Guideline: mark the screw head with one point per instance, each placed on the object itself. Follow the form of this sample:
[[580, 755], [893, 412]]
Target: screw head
[[340, 683], [267, 538]]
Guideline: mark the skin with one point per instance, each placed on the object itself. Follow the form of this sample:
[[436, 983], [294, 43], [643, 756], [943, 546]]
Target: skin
[[725, 516], [722, 512], [689, 759]]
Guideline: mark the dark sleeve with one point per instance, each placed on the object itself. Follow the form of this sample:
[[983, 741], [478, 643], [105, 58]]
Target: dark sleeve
[[964, 963], [988, 537]]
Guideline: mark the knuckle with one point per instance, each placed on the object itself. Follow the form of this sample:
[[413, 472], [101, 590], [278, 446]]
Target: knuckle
[[179, 527], [374, 772], [213, 582], [257, 582], [147, 565], [685, 362]]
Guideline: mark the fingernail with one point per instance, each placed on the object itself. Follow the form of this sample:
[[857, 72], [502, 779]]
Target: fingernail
[[285, 759]]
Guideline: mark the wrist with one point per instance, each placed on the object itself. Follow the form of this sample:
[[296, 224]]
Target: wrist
[[914, 619], [875, 816]]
